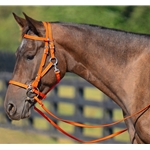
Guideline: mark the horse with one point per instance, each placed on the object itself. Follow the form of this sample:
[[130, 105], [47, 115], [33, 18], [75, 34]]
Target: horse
[[114, 61]]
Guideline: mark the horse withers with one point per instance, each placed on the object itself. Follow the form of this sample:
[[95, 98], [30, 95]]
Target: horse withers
[[116, 62]]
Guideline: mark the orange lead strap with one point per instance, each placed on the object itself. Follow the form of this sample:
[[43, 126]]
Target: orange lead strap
[[73, 137], [83, 125]]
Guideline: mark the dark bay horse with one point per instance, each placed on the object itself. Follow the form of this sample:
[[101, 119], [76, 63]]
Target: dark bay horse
[[116, 62]]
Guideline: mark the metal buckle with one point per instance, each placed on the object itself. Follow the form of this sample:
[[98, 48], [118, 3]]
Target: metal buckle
[[54, 60], [30, 90]]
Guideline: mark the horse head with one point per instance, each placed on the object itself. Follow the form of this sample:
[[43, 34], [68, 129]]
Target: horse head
[[19, 100]]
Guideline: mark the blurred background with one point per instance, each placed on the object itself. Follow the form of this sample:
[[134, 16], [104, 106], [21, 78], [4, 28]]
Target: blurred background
[[130, 18], [81, 101]]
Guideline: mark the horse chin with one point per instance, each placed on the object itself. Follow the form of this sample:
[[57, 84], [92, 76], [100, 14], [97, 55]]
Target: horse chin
[[26, 112]]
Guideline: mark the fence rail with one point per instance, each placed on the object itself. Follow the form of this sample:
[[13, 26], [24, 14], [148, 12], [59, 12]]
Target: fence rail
[[77, 103]]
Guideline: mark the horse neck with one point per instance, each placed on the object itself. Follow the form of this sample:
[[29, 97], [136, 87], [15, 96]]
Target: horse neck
[[103, 57]]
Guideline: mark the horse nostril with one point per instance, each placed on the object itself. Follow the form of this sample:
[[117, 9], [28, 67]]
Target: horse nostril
[[11, 109]]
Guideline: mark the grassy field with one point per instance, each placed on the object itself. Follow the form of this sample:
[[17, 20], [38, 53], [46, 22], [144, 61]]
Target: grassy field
[[25, 137], [8, 136]]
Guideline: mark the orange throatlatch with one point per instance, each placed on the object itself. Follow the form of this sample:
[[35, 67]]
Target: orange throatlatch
[[33, 87]]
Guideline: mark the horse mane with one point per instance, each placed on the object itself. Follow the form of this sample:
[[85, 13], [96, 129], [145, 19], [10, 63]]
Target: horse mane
[[26, 29], [82, 25]]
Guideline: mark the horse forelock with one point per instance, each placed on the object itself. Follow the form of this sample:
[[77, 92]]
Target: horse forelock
[[24, 31]]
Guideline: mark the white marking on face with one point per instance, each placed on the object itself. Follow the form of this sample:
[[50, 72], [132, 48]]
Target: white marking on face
[[22, 43]]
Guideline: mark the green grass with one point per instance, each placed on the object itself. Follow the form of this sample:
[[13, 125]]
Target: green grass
[[8, 136]]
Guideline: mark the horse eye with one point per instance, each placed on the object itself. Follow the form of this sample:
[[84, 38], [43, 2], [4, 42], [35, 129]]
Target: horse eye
[[29, 57]]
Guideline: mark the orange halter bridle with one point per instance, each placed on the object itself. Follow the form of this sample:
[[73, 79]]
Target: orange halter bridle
[[49, 45], [33, 87]]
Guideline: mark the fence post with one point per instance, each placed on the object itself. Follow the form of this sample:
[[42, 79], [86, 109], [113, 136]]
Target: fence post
[[54, 108], [79, 111], [107, 117]]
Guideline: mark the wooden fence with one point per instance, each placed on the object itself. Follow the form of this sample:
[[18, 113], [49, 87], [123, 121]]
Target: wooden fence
[[72, 99]]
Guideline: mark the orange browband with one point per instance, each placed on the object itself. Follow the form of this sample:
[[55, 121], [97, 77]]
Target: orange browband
[[49, 43]]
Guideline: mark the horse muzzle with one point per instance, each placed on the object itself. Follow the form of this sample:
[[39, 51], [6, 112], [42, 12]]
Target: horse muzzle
[[17, 113]]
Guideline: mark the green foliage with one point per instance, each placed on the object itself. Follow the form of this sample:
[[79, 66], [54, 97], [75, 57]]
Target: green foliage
[[130, 18]]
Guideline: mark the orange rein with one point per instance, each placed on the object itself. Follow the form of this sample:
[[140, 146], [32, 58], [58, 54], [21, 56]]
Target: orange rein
[[49, 44]]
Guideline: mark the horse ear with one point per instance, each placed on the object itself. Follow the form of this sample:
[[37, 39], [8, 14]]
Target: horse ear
[[22, 22], [34, 25]]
